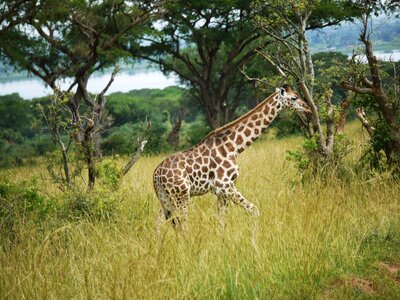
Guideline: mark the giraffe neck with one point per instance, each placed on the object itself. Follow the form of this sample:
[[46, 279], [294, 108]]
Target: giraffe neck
[[238, 135]]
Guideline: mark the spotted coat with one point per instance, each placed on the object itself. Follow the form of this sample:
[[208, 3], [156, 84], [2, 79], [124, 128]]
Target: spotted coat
[[211, 165]]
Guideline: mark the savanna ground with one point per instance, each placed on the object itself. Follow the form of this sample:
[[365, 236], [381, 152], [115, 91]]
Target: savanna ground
[[322, 239]]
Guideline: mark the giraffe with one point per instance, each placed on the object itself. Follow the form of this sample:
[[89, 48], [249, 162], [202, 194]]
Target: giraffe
[[173, 136], [211, 166]]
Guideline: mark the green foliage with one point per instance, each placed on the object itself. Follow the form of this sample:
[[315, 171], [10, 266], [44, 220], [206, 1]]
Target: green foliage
[[137, 105], [20, 201], [196, 131], [205, 44], [374, 156], [380, 153], [311, 162], [109, 173], [23, 201], [20, 140], [80, 205], [54, 162], [22, 197], [329, 67], [286, 124]]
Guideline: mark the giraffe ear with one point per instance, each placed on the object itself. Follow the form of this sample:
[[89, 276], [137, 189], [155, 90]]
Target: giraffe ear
[[278, 90], [282, 91]]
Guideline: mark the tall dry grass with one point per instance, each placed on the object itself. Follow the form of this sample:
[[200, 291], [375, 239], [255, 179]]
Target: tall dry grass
[[308, 238]]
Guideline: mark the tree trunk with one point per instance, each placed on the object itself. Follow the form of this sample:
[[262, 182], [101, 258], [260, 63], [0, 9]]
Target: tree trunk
[[212, 110], [88, 148], [65, 164], [373, 86], [342, 117]]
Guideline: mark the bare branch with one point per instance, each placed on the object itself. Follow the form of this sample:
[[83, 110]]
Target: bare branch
[[262, 81], [362, 117], [114, 73], [330, 124], [141, 144], [278, 68], [357, 89]]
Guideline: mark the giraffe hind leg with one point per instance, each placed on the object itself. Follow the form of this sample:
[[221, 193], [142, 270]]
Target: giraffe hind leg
[[167, 208], [181, 202], [176, 221]]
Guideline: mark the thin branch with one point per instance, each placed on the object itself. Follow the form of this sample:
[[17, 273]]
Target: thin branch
[[278, 68], [116, 70], [262, 81], [330, 124], [362, 117], [141, 144]]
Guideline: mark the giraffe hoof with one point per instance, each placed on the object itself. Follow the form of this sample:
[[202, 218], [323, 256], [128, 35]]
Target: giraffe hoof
[[255, 211]]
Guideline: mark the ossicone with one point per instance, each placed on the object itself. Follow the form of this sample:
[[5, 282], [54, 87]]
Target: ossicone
[[287, 87]]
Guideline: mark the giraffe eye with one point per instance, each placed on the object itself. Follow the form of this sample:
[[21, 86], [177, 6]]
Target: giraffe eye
[[294, 98]]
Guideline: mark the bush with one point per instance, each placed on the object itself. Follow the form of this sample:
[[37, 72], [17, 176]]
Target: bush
[[109, 174], [94, 206], [122, 140], [311, 162], [196, 131], [286, 124], [21, 201]]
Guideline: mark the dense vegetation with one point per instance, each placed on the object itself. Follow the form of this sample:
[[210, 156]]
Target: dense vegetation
[[75, 222], [315, 240]]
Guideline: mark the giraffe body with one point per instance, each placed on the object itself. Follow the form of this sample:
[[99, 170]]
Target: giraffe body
[[211, 165]]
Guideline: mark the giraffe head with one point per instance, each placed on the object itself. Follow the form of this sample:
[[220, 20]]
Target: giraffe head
[[291, 99]]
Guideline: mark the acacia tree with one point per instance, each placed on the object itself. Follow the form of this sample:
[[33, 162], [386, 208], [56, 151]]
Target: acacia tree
[[379, 94], [14, 12], [205, 43], [75, 39], [291, 56]]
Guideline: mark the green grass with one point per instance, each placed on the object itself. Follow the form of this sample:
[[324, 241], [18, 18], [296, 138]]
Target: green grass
[[316, 240]]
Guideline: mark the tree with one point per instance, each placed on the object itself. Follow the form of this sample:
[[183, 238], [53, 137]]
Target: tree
[[381, 95], [75, 39], [205, 43], [292, 58], [15, 12]]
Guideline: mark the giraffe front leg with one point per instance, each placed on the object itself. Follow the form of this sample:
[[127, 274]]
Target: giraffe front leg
[[159, 221], [233, 194], [222, 205]]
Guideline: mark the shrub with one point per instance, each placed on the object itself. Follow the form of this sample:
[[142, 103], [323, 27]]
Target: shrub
[[21, 201], [109, 174], [92, 205], [311, 162]]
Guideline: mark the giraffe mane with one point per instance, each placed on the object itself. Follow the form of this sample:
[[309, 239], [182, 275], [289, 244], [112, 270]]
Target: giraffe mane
[[238, 120]]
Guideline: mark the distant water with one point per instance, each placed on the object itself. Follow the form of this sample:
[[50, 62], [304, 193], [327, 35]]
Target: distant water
[[124, 82], [385, 56]]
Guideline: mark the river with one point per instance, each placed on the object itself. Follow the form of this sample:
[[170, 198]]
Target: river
[[124, 82]]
